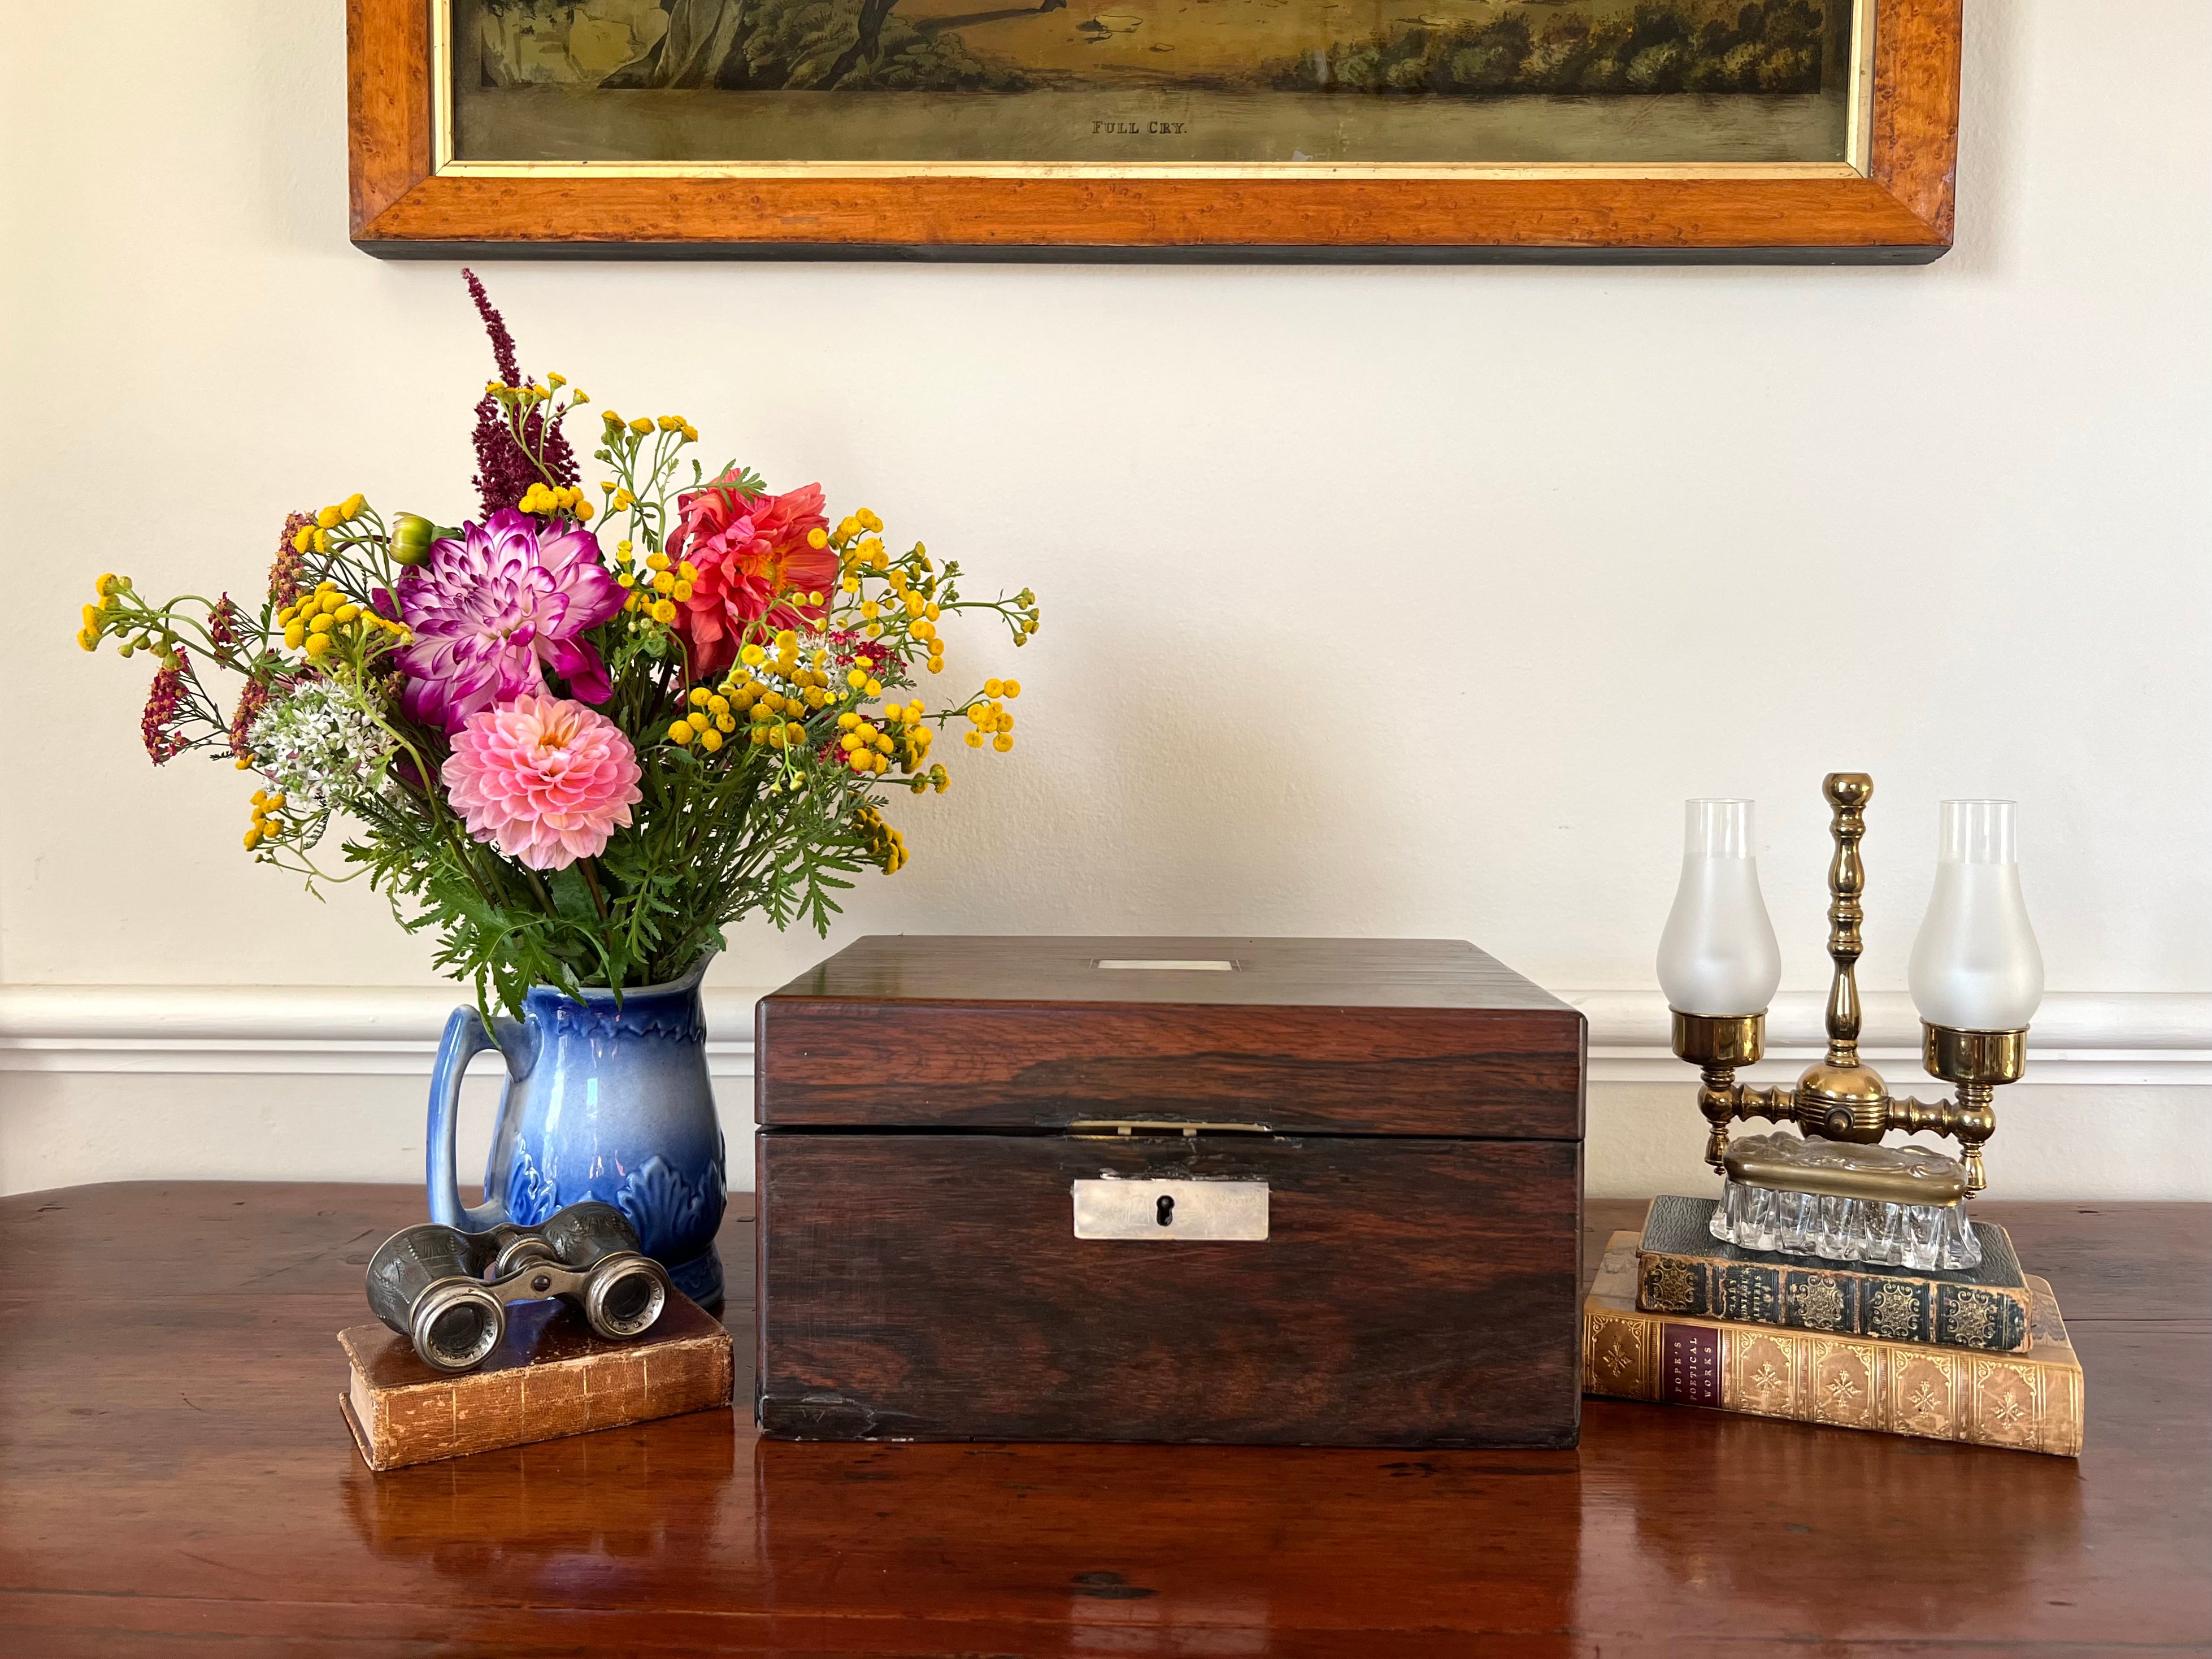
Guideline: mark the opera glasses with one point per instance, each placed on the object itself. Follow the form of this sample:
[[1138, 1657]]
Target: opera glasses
[[447, 1291]]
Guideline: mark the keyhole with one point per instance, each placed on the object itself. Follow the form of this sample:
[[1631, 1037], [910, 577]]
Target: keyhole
[[1167, 1212]]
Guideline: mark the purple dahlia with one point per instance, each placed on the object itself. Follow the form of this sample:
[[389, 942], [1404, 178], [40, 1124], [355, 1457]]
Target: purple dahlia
[[492, 610]]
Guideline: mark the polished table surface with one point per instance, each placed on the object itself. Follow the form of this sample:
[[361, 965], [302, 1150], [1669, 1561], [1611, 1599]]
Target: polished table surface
[[175, 1477]]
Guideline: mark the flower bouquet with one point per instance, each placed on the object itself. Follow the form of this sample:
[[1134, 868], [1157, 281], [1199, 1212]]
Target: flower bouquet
[[578, 760]]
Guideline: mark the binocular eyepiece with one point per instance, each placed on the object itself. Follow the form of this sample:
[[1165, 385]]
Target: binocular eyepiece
[[448, 1291]]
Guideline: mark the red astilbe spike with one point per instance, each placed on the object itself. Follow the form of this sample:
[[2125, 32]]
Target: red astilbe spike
[[504, 470], [503, 473], [502, 343]]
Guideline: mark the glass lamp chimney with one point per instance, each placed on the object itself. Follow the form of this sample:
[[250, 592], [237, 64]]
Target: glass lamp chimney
[[1718, 956], [1975, 965]]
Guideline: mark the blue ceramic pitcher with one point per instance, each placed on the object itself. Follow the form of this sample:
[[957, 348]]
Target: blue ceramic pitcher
[[601, 1101]]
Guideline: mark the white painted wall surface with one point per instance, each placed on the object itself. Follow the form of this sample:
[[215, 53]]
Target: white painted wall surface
[[1376, 601]]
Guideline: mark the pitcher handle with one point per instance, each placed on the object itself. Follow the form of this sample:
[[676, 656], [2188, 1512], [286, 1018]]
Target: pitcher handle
[[465, 1038]]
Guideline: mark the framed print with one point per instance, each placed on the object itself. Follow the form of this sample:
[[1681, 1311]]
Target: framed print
[[1351, 130]]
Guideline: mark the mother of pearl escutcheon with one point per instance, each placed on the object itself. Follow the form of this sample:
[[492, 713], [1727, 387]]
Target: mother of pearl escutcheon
[[1214, 1211]]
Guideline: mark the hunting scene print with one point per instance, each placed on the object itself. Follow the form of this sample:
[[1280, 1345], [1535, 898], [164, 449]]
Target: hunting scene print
[[1266, 80]]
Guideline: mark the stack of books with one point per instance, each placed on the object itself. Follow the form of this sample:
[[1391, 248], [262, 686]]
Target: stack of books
[[1679, 1317]]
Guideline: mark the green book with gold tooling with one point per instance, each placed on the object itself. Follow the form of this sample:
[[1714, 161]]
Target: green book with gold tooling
[[1682, 1268]]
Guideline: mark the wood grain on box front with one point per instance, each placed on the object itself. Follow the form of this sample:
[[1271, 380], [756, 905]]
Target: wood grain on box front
[[1295, 1070], [1409, 1293]]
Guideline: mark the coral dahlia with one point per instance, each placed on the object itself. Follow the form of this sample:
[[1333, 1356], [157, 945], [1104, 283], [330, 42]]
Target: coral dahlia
[[544, 780], [495, 609], [755, 565]]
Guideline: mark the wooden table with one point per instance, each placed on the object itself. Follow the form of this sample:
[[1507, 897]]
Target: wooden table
[[175, 1477]]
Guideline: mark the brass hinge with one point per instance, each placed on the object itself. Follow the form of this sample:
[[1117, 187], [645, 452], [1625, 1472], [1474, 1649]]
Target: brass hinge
[[1109, 1128]]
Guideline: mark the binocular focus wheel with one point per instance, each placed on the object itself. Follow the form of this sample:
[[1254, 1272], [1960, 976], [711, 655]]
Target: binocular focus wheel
[[517, 1251], [625, 1295], [456, 1324]]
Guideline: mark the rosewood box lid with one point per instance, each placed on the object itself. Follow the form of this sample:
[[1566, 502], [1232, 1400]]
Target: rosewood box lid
[[1346, 1037]]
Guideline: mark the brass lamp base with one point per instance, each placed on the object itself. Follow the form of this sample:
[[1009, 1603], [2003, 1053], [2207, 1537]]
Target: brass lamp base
[[1898, 1206], [1876, 1174]]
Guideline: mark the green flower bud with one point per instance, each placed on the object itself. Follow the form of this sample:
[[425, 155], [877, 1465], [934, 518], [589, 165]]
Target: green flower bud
[[411, 536]]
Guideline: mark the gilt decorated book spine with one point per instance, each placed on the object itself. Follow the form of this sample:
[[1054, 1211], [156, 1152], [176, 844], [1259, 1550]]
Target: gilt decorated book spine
[[2028, 1401], [1682, 1270]]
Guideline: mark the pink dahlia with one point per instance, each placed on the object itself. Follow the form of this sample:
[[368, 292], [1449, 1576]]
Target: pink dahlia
[[755, 565], [544, 780], [491, 612]]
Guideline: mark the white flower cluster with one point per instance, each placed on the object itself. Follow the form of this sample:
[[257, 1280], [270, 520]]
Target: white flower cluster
[[319, 748]]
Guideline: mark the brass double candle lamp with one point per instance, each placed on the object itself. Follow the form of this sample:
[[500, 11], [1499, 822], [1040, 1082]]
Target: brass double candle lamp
[[1976, 974]]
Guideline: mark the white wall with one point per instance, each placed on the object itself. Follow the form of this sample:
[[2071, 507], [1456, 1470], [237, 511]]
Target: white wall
[[1376, 601]]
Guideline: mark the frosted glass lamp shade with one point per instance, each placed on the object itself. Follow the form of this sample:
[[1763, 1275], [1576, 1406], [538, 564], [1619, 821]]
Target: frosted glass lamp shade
[[1975, 965], [1717, 955]]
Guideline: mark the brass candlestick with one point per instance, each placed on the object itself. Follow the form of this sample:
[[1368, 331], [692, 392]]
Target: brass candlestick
[[1840, 1098]]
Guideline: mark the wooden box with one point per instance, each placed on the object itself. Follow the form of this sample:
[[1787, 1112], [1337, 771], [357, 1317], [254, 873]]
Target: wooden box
[[1314, 1192]]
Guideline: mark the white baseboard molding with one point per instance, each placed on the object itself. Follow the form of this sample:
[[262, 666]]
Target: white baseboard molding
[[300, 1030], [2122, 1038]]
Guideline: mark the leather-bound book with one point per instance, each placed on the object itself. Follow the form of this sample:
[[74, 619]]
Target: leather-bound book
[[1682, 1268], [2030, 1400], [549, 1377]]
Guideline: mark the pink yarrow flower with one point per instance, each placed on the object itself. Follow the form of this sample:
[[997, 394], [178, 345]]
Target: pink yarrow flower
[[544, 780], [491, 612]]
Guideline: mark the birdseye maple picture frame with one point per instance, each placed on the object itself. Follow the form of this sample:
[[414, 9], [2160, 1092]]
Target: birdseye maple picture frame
[[1806, 131]]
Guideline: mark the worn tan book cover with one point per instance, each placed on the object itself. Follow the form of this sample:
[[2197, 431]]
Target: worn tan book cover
[[549, 1377], [2030, 1400]]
